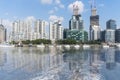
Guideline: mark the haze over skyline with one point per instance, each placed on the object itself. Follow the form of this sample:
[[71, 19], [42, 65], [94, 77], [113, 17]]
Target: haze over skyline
[[11, 10]]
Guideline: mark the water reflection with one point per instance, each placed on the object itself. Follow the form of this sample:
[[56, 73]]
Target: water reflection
[[56, 64]]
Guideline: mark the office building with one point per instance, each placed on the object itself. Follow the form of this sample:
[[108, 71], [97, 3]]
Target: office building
[[117, 35], [76, 22], [95, 32], [111, 24], [79, 35], [103, 36], [65, 33], [76, 27], [110, 36], [94, 23]]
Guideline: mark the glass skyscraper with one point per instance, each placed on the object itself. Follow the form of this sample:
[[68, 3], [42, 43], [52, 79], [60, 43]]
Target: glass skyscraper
[[76, 22], [111, 24], [117, 35], [110, 36], [76, 27]]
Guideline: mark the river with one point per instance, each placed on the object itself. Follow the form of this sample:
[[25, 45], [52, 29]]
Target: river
[[59, 64]]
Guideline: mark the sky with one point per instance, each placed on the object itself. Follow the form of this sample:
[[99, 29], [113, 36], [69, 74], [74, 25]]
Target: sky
[[11, 10]]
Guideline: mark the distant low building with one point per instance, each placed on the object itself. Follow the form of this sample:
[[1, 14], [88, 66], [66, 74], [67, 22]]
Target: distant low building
[[79, 35]]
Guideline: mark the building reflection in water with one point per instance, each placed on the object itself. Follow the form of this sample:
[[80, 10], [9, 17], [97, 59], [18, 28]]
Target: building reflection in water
[[67, 65], [110, 59]]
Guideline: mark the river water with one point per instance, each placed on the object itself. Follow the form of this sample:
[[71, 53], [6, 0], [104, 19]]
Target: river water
[[59, 64]]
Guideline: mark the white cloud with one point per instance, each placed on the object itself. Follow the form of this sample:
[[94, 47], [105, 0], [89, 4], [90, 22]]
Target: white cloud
[[51, 12], [46, 1], [30, 18], [77, 3], [54, 18]]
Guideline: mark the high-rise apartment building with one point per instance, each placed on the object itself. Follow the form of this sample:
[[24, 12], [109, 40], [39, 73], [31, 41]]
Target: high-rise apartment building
[[22, 30], [55, 31], [94, 23], [40, 29], [111, 24], [2, 34]]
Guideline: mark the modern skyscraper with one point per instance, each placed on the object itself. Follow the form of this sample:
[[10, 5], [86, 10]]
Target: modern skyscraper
[[55, 31], [94, 23], [76, 22], [2, 33], [76, 27], [111, 24]]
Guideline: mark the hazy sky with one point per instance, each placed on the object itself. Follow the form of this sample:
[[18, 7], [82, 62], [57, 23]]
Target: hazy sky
[[11, 10]]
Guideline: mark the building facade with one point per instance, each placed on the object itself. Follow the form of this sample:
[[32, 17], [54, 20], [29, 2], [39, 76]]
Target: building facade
[[103, 36], [55, 31], [76, 22], [110, 36], [2, 34], [79, 35], [111, 24], [76, 27], [117, 35], [94, 30], [40, 29]]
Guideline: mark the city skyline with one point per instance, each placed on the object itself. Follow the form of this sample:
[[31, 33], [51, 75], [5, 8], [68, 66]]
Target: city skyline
[[53, 9]]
